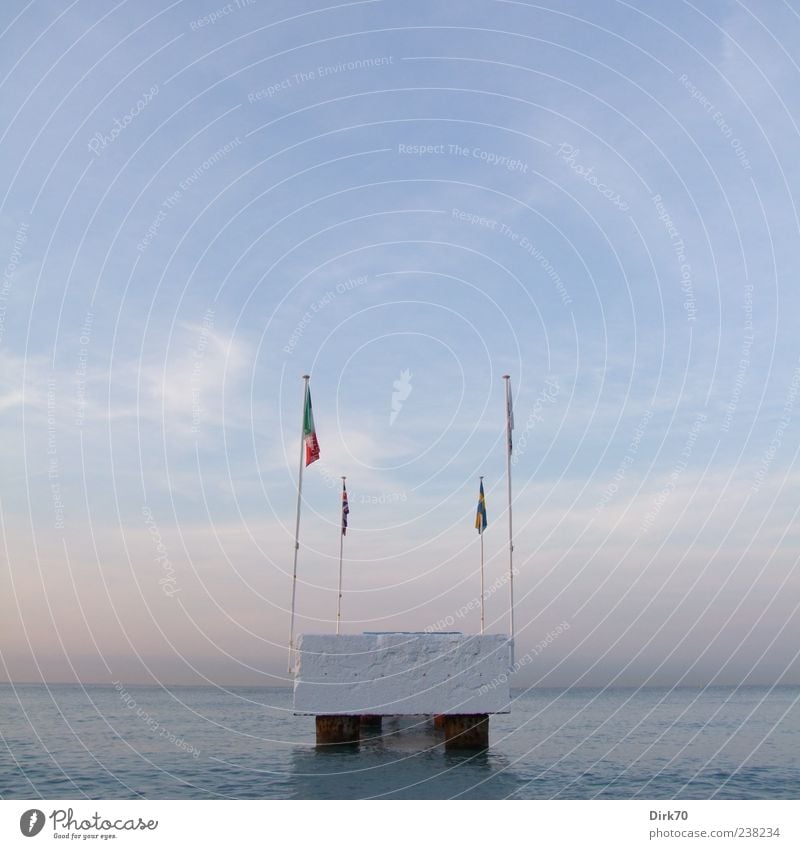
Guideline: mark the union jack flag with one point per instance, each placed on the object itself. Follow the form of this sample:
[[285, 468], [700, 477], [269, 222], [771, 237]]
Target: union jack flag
[[345, 510]]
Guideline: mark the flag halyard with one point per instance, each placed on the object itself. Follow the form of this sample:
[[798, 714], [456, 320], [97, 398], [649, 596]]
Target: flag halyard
[[509, 419]]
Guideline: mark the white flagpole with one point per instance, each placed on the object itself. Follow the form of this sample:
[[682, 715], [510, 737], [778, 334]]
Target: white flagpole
[[482, 592], [297, 520], [341, 550], [509, 428]]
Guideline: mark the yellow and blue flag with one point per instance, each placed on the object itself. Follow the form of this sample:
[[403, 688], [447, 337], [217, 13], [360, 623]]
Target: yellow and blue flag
[[480, 517]]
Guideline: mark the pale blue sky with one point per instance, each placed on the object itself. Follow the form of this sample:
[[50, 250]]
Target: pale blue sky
[[201, 202]]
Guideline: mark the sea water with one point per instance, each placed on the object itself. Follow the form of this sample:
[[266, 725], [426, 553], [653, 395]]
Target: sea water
[[129, 742]]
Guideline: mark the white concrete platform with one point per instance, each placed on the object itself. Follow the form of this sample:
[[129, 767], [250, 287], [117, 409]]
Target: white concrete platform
[[402, 673]]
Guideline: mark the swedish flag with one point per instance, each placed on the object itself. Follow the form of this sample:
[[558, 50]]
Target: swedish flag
[[480, 517]]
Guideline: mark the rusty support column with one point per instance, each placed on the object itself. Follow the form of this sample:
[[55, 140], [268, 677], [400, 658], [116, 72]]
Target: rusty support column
[[338, 730], [438, 721], [466, 731]]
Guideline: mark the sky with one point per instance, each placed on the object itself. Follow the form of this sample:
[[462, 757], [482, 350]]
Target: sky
[[202, 202]]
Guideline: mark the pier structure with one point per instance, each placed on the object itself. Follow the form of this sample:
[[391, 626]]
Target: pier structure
[[351, 681]]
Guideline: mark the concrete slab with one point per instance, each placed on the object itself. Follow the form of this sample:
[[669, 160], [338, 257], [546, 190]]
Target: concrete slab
[[402, 674]]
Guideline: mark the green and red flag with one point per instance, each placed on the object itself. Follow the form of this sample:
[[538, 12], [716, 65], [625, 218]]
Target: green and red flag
[[309, 431]]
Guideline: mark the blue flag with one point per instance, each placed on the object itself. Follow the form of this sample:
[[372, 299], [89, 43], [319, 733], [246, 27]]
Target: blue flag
[[480, 517]]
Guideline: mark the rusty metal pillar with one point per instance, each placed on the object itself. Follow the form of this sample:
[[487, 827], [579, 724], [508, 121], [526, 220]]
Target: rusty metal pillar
[[338, 730], [466, 731], [438, 721]]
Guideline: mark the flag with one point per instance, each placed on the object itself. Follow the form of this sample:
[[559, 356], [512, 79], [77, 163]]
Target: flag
[[345, 509], [480, 517], [509, 417], [309, 431]]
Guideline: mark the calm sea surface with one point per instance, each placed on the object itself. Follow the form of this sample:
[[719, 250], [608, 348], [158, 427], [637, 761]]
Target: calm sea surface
[[244, 743]]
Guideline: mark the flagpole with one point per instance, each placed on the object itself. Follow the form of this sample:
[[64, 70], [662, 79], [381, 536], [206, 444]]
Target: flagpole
[[341, 550], [509, 426], [482, 593], [297, 519]]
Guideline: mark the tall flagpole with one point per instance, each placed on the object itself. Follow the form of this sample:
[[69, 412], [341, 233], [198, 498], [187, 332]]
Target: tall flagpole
[[509, 428], [341, 551], [297, 520], [482, 593]]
